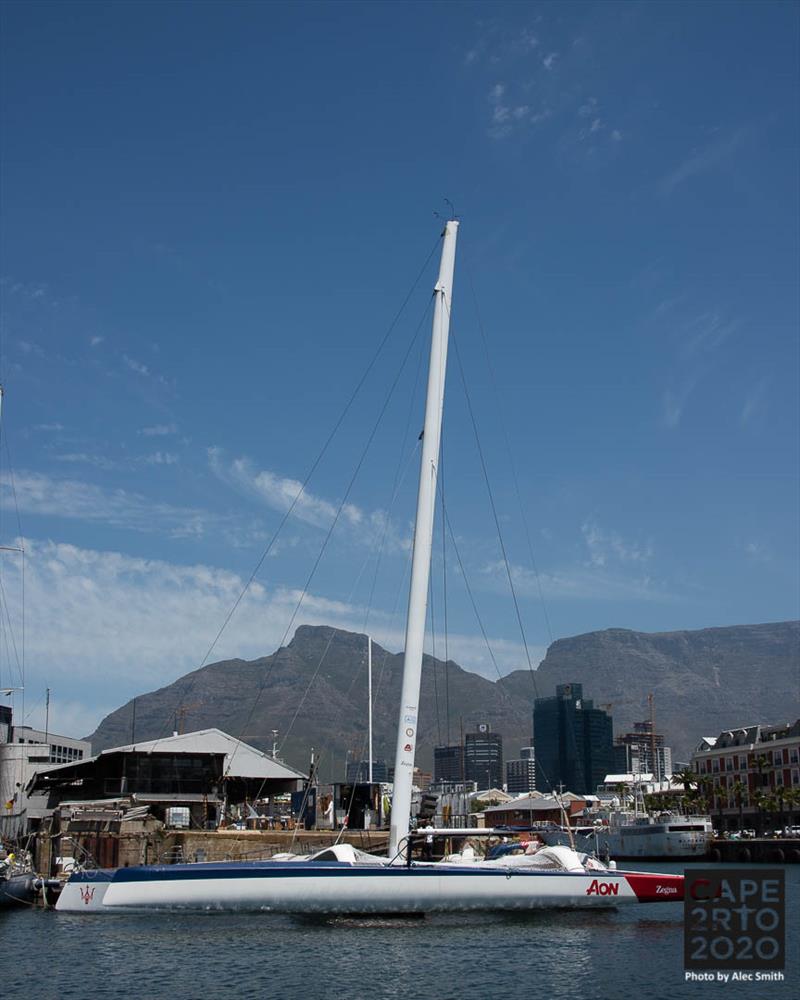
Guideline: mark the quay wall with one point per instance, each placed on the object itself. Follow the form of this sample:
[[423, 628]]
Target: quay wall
[[760, 850]]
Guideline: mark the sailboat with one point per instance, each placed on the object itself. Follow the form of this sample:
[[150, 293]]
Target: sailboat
[[342, 879]]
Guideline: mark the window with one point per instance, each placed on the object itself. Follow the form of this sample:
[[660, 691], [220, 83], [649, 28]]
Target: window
[[777, 758], [794, 755], [729, 764]]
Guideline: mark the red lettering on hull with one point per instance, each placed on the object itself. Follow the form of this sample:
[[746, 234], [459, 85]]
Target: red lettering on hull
[[598, 888]]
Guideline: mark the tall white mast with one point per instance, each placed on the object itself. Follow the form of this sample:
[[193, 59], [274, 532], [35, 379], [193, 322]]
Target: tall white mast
[[423, 541]]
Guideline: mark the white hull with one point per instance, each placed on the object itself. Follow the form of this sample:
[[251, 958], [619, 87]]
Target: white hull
[[338, 888]]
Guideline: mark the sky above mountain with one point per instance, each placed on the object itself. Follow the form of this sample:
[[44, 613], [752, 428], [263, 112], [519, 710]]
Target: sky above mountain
[[212, 215]]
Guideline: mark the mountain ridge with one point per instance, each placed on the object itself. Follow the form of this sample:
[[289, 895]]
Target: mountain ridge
[[314, 689]]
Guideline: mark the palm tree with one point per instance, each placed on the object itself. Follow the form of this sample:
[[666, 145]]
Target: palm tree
[[688, 778], [738, 790], [791, 796], [762, 763], [763, 804]]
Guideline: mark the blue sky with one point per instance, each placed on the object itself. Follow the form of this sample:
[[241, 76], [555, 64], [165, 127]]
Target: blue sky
[[211, 214]]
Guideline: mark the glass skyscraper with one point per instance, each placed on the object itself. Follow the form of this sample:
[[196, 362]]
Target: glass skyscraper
[[573, 742]]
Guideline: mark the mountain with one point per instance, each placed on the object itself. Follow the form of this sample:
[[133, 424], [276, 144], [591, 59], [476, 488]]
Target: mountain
[[702, 681], [316, 690]]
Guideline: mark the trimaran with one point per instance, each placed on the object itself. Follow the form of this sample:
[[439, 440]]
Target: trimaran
[[341, 879]]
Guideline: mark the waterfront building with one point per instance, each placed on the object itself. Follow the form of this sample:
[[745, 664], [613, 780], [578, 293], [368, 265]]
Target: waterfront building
[[521, 773], [643, 750], [483, 757], [751, 775], [572, 741], [23, 751], [536, 809], [448, 763], [206, 772]]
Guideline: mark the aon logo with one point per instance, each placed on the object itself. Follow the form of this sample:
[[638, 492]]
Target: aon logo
[[602, 888]]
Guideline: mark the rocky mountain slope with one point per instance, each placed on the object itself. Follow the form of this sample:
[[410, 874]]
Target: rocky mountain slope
[[314, 690]]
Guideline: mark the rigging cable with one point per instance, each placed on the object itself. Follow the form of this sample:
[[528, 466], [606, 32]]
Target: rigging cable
[[309, 474], [339, 510], [515, 478], [494, 513], [444, 601]]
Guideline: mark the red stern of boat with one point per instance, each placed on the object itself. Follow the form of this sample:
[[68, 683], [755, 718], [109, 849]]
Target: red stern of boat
[[656, 888]]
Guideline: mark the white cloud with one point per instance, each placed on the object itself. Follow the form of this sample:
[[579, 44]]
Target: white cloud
[[549, 60], [506, 115], [605, 546], [161, 458], [579, 582], [95, 341], [111, 625], [136, 366], [49, 428], [159, 430], [39, 494], [85, 458], [279, 493], [614, 568]]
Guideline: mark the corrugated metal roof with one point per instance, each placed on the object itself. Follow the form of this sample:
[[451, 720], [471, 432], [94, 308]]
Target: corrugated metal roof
[[241, 760], [543, 804]]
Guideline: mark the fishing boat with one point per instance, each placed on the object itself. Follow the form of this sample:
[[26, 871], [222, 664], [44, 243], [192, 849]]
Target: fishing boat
[[341, 879]]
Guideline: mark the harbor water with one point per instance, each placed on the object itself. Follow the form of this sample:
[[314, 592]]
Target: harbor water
[[629, 952]]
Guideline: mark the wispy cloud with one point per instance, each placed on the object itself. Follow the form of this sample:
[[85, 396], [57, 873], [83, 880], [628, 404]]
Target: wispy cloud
[[49, 428], [507, 114], [96, 341], [159, 430], [696, 340], [38, 494], [757, 551], [754, 400], [135, 366], [612, 568], [715, 153], [549, 60], [705, 333], [280, 492], [161, 458], [113, 625], [29, 347], [607, 546], [88, 458]]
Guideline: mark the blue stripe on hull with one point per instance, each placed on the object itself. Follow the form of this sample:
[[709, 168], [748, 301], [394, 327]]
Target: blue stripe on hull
[[287, 869]]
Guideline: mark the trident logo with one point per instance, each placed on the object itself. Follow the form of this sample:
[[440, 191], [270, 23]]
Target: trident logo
[[87, 894]]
